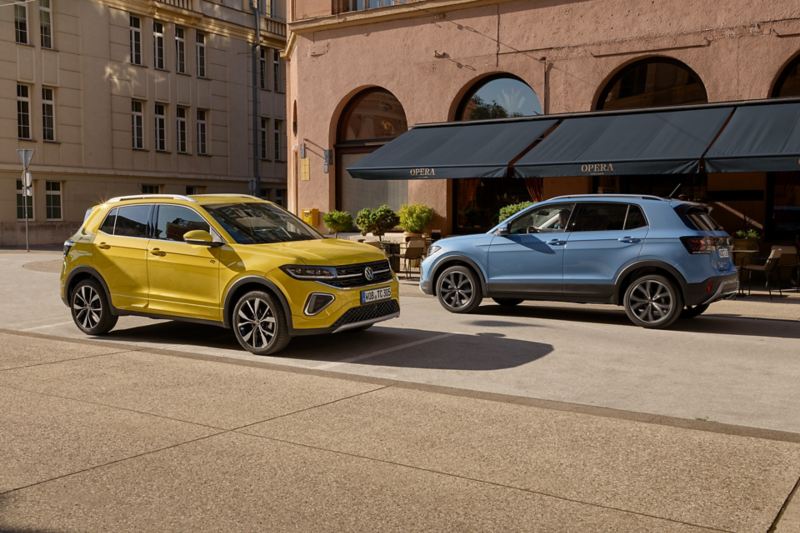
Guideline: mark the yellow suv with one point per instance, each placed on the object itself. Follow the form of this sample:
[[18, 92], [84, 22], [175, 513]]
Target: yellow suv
[[229, 260]]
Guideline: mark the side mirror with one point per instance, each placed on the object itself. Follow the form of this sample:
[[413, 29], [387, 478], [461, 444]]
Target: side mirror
[[502, 230], [200, 237]]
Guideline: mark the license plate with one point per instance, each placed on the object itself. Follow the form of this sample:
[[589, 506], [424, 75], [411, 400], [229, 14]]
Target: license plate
[[376, 295], [724, 252]]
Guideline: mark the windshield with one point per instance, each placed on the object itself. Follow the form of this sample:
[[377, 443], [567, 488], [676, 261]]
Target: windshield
[[260, 223]]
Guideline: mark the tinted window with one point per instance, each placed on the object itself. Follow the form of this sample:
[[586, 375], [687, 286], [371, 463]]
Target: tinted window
[[174, 221], [132, 221], [635, 218], [108, 224], [599, 217], [543, 219], [698, 218], [256, 223]]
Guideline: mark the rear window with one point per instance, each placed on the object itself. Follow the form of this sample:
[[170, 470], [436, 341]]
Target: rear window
[[132, 221], [599, 217], [108, 224], [697, 218]]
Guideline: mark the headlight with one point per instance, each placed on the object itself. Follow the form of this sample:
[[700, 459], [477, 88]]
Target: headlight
[[434, 249], [309, 272], [67, 246]]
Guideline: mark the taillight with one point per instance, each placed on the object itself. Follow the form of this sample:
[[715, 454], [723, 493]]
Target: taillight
[[704, 245]]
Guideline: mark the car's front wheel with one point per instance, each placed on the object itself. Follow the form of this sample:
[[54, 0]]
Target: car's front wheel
[[259, 324], [653, 301], [459, 290], [90, 308]]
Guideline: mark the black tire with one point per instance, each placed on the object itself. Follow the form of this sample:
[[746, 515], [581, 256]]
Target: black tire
[[508, 302], [694, 310], [653, 301], [90, 308], [458, 289], [259, 323]]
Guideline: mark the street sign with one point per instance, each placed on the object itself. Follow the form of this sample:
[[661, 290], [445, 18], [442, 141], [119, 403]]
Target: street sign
[[25, 156], [28, 179]]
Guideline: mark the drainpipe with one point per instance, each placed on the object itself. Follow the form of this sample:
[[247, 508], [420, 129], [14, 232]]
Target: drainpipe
[[256, 183]]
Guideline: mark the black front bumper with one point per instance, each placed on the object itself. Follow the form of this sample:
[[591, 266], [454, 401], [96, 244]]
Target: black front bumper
[[712, 289]]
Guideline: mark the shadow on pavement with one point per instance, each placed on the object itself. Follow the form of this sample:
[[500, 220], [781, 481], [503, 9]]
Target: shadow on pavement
[[380, 346]]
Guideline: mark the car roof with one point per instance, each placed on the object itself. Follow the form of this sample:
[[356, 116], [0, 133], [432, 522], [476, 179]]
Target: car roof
[[201, 199]]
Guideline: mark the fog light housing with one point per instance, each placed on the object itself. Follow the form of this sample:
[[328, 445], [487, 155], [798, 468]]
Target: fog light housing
[[316, 302]]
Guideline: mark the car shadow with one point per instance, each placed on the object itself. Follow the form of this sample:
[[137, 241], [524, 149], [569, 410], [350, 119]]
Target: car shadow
[[378, 346]]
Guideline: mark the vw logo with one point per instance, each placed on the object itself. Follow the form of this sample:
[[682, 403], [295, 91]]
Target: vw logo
[[369, 274]]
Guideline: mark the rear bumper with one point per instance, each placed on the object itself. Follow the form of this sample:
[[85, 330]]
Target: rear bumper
[[712, 289]]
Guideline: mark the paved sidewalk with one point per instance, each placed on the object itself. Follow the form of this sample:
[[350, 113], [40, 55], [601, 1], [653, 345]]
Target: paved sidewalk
[[95, 436]]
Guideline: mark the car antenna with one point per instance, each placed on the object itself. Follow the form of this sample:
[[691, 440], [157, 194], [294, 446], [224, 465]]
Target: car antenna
[[676, 189]]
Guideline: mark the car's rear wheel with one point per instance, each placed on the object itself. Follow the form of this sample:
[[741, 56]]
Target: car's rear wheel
[[692, 311], [653, 301], [508, 302], [90, 308], [459, 290], [259, 324]]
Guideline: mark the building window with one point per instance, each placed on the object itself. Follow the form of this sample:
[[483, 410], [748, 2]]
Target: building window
[[277, 141], [137, 124], [343, 6], [262, 63], [195, 189], [24, 202], [158, 45], [21, 22], [180, 130], [200, 45], [279, 197], [161, 127], [23, 112], [202, 132], [136, 40], [263, 137], [277, 70], [180, 49], [151, 189], [46, 23], [48, 114], [52, 200]]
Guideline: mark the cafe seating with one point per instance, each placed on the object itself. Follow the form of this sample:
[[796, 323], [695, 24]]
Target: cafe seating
[[768, 268], [412, 255]]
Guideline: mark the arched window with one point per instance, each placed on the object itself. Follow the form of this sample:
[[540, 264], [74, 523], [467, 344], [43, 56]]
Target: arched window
[[477, 202], [371, 118], [788, 83], [652, 82]]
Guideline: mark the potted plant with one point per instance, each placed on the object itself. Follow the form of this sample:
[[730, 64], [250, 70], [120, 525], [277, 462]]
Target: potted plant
[[512, 209], [415, 218], [376, 221], [746, 239], [338, 221]]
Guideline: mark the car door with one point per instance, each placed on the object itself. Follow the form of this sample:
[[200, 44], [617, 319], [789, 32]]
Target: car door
[[527, 261], [121, 255], [184, 278], [603, 237]]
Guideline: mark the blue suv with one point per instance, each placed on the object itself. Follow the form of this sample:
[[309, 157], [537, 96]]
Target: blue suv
[[659, 258]]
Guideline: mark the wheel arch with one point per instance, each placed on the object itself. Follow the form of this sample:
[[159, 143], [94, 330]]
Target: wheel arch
[[642, 268], [84, 272], [449, 261], [247, 284]]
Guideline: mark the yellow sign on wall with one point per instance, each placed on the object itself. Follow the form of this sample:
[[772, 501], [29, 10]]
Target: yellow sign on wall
[[305, 169]]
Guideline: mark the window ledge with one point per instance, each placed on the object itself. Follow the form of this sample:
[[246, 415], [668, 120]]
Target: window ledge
[[179, 73], [161, 69], [140, 65], [26, 139], [28, 45], [51, 141], [140, 149]]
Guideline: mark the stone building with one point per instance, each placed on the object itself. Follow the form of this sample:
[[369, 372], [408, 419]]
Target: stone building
[[134, 96], [361, 72]]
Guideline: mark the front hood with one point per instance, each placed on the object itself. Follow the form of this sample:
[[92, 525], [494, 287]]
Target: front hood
[[322, 252], [457, 241]]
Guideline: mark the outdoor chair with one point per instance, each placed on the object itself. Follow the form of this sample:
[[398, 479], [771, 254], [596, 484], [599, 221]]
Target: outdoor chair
[[412, 255], [789, 262], [767, 268]]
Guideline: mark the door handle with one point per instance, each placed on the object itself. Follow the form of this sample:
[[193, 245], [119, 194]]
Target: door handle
[[156, 251], [556, 242], [104, 246], [629, 240]]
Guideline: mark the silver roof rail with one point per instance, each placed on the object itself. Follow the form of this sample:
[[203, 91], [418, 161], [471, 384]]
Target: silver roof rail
[[149, 196], [609, 195], [230, 195]]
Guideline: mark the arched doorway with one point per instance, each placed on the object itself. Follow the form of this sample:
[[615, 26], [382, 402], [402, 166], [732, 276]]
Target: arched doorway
[[372, 118], [788, 83], [652, 82], [477, 202], [783, 188]]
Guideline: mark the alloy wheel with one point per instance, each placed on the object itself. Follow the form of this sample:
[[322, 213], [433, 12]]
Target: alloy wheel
[[651, 301], [456, 290], [88, 307], [256, 323]]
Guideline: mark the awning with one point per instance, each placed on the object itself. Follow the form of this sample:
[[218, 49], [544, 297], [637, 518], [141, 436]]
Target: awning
[[662, 142], [759, 138], [452, 150]]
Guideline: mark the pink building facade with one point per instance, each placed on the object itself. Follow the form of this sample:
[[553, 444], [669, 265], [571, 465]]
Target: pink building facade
[[432, 57]]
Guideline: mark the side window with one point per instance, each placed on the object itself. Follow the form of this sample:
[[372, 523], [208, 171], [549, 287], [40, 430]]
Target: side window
[[599, 217], [175, 220], [108, 223], [132, 221], [635, 218], [544, 219]]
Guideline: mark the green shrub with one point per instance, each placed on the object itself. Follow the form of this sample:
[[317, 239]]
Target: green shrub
[[415, 218], [509, 210], [376, 221], [338, 221], [748, 234]]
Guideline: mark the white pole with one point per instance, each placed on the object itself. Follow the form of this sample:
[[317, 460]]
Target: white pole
[[25, 193]]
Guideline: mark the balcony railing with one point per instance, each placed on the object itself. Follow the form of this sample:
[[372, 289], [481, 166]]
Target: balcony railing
[[276, 27], [181, 4], [345, 6]]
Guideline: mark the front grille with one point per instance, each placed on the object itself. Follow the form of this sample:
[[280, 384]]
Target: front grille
[[353, 275], [367, 312]]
